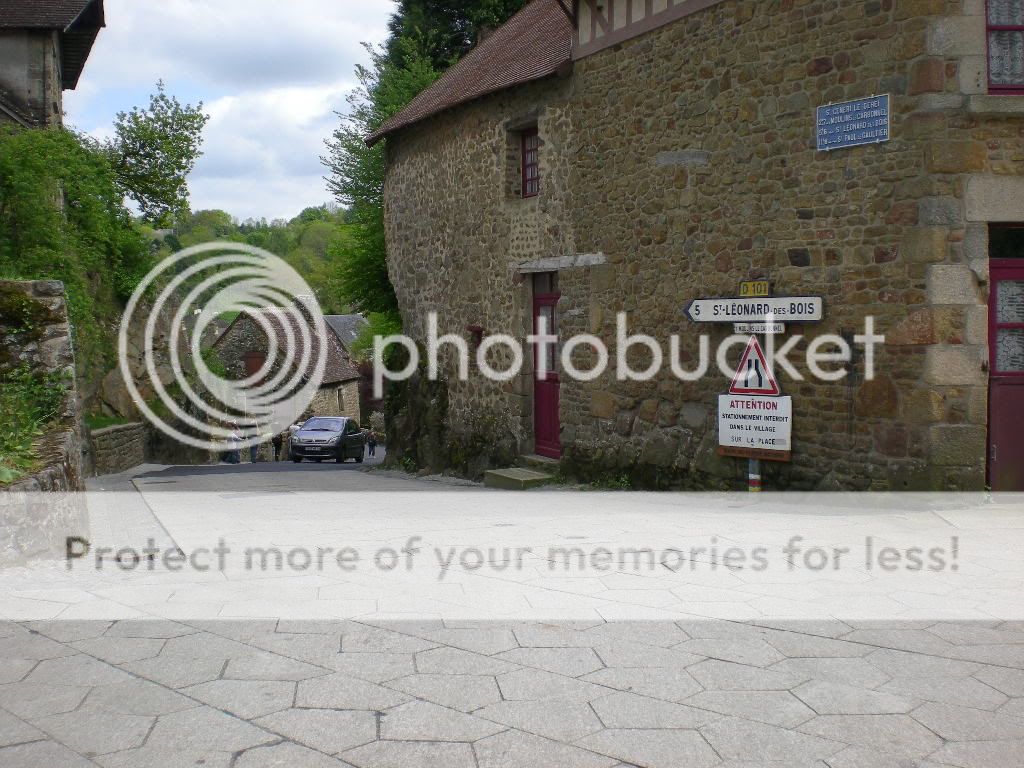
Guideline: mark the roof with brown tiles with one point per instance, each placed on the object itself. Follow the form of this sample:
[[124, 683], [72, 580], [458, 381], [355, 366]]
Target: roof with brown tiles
[[531, 45]]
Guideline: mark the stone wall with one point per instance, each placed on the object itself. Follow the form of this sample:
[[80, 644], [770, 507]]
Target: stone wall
[[36, 514], [683, 161], [119, 448]]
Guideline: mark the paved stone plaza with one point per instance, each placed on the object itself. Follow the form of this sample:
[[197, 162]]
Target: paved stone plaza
[[404, 669]]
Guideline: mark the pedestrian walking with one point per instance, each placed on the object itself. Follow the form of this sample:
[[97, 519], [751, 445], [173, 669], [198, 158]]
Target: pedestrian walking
[[278, 442], [234, 454], [371, 442]]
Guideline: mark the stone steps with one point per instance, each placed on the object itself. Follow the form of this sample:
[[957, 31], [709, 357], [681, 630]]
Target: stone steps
[[539, 463], [516, 479]]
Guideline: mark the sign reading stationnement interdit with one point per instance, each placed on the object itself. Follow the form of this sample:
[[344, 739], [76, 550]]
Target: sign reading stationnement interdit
[[853, 123], [760, 423], [754, 421]]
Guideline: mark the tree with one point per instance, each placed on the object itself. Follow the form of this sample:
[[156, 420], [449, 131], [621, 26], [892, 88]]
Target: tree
[[443, 31], [427, 36], [154, 150], [357, 175]]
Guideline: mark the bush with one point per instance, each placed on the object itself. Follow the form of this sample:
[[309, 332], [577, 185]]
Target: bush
[[29, 401], [62, 217]]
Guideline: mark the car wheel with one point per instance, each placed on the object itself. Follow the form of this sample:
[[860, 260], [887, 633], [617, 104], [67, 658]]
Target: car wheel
[[359, 459]]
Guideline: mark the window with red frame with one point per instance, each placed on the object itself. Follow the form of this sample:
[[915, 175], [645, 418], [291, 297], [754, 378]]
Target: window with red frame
[[1006, 46], [531, 163]]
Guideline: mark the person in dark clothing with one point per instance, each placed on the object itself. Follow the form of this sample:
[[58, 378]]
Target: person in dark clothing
[[277, 441], [371, 442]]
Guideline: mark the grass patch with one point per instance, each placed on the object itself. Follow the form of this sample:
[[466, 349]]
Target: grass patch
[[29, 401], [96, 421]]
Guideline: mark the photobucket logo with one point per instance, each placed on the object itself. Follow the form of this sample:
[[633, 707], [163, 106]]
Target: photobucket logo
[[201, 285], [824, 350]]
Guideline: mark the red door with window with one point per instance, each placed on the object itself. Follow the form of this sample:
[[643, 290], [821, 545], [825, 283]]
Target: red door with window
[[1006, 383], [546, 424]]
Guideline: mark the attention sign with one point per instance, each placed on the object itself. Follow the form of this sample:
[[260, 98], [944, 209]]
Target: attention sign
[[853, 123], [755, 422], [784, 309]]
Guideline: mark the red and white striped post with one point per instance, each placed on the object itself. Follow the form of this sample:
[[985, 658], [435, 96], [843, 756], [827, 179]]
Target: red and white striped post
[[754, 475]]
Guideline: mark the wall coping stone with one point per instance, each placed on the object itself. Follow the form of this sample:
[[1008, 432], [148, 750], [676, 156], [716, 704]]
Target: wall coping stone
[[116, 428]]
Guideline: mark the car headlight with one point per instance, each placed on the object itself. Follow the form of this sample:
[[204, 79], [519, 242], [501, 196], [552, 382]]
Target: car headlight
[[334, 440]]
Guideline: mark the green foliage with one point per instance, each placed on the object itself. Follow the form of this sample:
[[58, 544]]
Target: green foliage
[[379, 324], [443, 31], [357, 175], [427, 36], [62, 218], [306, 243], [153, 152], [612, 481], [29, 400], [214, 363], [95, 421]]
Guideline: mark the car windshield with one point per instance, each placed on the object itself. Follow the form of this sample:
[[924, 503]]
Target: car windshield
[[324, 425]]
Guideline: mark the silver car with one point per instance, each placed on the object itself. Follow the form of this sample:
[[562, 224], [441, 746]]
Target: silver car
[[328, 437]]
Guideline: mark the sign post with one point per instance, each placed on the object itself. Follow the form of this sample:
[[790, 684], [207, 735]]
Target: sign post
[[754, 420]]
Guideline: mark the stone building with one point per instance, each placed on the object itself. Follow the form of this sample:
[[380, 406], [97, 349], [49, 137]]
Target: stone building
[[243, 350], [44, 45], [606, 156]]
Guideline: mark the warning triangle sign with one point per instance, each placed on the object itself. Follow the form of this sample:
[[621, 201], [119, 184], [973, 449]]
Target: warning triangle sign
[[753, 376]]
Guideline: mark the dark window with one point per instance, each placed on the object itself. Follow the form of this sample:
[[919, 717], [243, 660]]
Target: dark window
[[323, 425], [531, 163], [1006, 241], [545, 283], [1006, 46]]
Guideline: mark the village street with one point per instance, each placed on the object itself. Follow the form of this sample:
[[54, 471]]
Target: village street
[[465, 627]]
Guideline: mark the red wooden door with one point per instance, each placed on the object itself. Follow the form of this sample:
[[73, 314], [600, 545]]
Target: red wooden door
[[1006, 382], [547, 427]]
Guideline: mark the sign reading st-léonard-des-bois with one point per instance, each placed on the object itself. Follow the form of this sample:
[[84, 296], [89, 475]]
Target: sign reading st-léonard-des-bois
[[782, 309]]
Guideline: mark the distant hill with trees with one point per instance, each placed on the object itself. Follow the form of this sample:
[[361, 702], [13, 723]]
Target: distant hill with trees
[[306, 242]]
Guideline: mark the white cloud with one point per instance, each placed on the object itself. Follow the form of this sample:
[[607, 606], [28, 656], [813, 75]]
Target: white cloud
[[270, 74]]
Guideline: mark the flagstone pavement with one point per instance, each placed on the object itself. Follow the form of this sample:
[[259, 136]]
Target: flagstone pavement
[[192, 687], [497, 695]]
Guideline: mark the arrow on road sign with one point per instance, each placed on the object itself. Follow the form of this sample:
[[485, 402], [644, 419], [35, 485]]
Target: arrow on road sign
[[753, 376]]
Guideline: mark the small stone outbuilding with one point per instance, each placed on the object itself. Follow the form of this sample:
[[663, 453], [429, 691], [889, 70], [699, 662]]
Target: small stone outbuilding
[[243, 350]]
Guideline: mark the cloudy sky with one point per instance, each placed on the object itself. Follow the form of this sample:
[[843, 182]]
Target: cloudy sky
[[270, 75]]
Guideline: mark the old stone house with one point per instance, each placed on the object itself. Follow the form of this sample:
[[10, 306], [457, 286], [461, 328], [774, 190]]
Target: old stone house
[[600, 156], [44, 45], [243, 350]]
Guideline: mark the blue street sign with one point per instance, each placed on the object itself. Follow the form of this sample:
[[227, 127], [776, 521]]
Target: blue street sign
[[852, 123]]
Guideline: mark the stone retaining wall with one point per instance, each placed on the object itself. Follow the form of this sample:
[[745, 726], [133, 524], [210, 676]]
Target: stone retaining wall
[[38, 513], [119, 448]]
